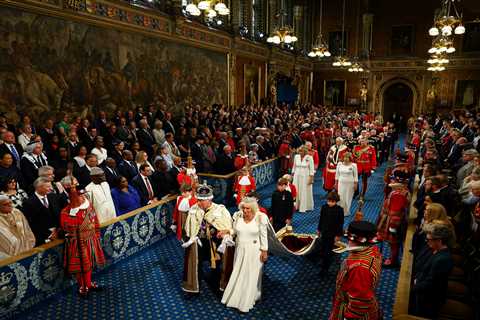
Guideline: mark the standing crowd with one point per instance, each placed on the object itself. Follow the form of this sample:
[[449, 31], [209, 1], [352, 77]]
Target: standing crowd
[[68, 176]]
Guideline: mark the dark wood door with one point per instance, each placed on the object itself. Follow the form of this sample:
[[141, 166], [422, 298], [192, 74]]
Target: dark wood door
[[398, 104]]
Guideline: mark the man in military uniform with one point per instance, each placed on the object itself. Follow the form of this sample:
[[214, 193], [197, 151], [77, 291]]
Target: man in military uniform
[[359, 276], [208, 229], [365, 156]]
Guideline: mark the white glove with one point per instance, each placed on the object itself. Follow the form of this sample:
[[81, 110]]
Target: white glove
[[173, 227], [229, 241], [235, 196], [189, 242]]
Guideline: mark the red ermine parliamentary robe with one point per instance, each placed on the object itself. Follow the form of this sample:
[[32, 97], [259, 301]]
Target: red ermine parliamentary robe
[[242, 186], [182, 207], [335, 154]]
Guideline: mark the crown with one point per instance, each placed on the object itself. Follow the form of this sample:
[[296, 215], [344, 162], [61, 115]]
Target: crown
[[117, 231], [5, 278], [49, 260]]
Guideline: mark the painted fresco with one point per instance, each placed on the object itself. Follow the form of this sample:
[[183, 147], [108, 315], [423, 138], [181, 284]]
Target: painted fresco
[[49, 65]]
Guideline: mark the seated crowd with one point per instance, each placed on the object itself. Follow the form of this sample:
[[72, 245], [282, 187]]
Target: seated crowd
[[122, 164], [445, 275]]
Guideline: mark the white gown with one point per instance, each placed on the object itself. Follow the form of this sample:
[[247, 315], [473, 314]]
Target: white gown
[[347, 176], [302, 170], [245, 284]]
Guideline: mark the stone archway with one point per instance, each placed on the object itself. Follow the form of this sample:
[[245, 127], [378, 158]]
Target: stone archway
[[398, 104], [416, 97]]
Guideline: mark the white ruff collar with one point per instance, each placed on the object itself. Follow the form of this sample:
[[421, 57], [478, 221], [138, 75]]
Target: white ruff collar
[[84, 205], [244, 181]]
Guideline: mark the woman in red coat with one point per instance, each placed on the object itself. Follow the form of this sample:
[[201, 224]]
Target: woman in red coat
[[83, 250]]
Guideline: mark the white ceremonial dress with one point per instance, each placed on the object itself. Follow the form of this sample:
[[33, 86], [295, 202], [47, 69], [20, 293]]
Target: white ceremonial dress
[[347, 176], [302, 170], [101, 198], [245, 285]]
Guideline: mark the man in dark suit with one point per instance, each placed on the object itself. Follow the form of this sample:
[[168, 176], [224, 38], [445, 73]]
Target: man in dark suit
[[197, 153], [101, 123], [111, 172], [225, 161], [10, 146], [126, 166], [145, 138], [83, 174], [47, 132], [144, 184], [42, 211], [167, 124]]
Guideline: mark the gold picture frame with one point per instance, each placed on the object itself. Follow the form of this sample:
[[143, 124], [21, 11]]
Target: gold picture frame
[[335, 92]]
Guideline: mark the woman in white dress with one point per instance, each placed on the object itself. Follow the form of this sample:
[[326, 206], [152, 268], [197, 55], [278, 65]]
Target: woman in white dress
[[251, 245], [346, 181], [303, 171]]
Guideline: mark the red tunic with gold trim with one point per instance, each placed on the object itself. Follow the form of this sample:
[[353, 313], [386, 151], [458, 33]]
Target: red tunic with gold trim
[[309, 135], [335, 154], [188, 176], [316, 158], [356, 283], [284, 152], [82, 240], [392, 221], [325, 140], [242, 186], [365, 157], [240, 161], [183, 205]]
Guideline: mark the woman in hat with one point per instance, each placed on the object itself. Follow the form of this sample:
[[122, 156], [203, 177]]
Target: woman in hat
[[359, 276]]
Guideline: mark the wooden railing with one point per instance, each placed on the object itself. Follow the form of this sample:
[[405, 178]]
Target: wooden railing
[[402, 298]]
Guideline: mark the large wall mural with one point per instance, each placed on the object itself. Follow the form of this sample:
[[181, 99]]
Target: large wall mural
[[49, 65]]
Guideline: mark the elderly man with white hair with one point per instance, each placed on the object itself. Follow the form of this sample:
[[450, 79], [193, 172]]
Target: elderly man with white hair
[[15, 233], [32, 159], [334, 155], [468, 165]]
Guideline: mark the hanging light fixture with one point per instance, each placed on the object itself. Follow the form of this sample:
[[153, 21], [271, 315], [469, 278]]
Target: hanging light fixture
[[283, 33], [442, 44], [211, 8], [320, 47], [341, 60], [356, 66], [447, 20]]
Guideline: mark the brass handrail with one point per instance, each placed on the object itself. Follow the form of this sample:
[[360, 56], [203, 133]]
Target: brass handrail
[[46, 246], [231, 175]]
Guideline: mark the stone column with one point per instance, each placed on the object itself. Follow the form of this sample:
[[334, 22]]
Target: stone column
[[232, 79]]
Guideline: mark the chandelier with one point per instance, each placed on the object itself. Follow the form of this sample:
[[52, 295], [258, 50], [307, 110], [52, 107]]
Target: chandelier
[[341, 60], [320, 48], [438, 59], [442, 44], [211, 8], [447, 20], [283, 33], [436, 68], [356, 67]]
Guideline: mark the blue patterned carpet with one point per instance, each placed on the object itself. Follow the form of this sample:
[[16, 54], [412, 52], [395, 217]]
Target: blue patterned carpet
[[147, 286]]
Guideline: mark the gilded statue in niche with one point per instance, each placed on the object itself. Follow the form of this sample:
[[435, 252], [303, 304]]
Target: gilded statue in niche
[[49, 65], [363, 94]]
